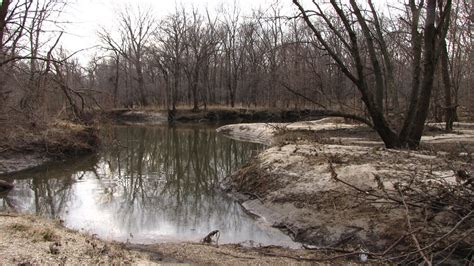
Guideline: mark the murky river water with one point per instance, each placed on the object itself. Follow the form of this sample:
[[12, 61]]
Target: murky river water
[[151, 184]]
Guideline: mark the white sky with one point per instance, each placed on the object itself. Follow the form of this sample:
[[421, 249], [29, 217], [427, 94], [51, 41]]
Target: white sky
[[86, 16]]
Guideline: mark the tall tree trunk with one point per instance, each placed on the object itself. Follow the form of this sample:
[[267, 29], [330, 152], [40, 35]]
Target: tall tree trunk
[[174, 90], [429, 66], [231, 88], [450, 107], [379, 84], [416, 47], [141, 84], [3, 16], [3, 23], [388, 136], [194, 88], [389, 69], [116, 79]]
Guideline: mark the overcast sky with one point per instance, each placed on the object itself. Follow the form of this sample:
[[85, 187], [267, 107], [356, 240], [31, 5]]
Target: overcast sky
[[86, 16]]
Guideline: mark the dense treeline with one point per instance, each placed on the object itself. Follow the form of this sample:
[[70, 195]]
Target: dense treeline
[[350, 58]]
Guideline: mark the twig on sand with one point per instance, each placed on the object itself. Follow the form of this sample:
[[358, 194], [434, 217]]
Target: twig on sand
[[439, 239], [326, 249], [417, 243], [8, 214], [366, 192], [398, 242], [235, 256]]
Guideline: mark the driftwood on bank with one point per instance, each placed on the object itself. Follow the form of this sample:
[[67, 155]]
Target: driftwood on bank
[[4, 185], [212, 237]]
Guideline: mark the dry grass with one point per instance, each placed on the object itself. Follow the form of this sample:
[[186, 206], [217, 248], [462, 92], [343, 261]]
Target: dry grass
[[55, 139], [30, 240]]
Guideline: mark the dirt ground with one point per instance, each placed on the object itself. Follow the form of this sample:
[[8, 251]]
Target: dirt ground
[[30, 240], [331, 184]]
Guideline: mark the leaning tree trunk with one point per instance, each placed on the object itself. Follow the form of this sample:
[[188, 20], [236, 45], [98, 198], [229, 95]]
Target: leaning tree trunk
[[388, 136]]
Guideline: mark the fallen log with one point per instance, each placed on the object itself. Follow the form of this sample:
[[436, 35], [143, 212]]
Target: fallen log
[[4, 185]]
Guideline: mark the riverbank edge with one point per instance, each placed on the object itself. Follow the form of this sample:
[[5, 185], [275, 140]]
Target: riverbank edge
[[211, 115], [242, 197], [167, 252], [33, 240], [56, 142], [286, 216]]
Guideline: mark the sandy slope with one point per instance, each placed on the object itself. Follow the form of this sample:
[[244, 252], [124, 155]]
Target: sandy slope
[[291, 185]]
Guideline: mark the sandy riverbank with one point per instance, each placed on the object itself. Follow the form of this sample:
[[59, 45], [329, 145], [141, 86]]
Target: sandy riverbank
[[31, 240], [333, 184]]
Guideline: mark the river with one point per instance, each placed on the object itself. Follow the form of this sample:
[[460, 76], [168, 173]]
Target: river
[[147, 185]]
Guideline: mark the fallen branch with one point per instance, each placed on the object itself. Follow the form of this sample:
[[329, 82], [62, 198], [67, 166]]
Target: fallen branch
[[235, 256], [327, 249], [208, 238], [252, 195], [366, 192], [386, 251], [330, 113], [449, 232], [8, 214], [417, 243], [439, 239]]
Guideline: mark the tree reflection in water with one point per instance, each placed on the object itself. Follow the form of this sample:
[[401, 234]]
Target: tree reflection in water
[[150, 184]]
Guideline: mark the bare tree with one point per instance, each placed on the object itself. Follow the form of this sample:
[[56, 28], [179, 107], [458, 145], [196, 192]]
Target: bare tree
[[29, 36], [201, 42], [232, 50], [427, 52], [171, 44], [265, 59], [135, 32]]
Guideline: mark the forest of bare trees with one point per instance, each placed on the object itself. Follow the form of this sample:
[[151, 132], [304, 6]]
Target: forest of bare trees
[[351, 108], [393, 67]]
